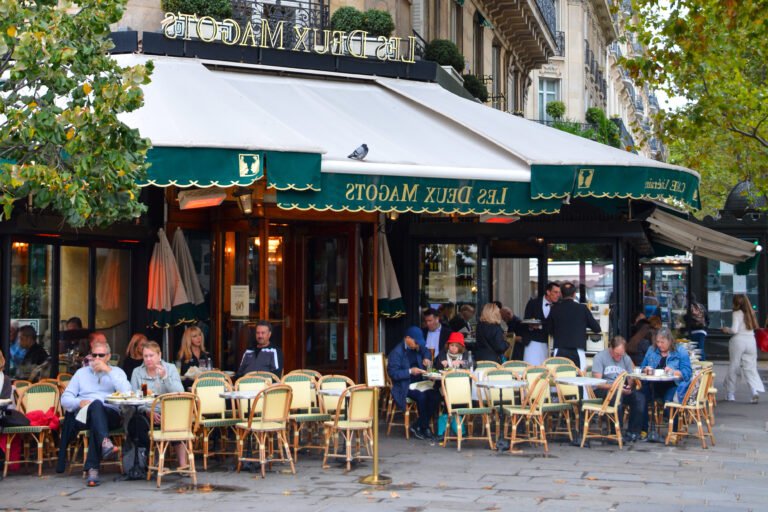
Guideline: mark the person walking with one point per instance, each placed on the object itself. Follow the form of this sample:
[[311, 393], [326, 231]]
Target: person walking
[[742, 350], [696, 323]]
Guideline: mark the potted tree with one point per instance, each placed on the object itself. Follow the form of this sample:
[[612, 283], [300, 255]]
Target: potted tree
[[447, 54], [374, 22]]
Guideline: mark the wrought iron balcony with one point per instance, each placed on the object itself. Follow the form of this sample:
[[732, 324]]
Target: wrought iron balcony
[[421, 45], [548, 12], [295, 13], [499, 102], [626, 138]]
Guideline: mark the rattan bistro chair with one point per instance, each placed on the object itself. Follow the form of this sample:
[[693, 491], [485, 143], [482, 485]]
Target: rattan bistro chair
[[358, 421], [249, 383], [178, 418], [271, 423], [529, 414], [608, 409], [36, 397], [457, 391], [213, 415], [304, 417], [693, 409]]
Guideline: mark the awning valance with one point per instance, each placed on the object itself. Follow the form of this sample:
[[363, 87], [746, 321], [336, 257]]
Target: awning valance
[[369, 193], [685, 235]]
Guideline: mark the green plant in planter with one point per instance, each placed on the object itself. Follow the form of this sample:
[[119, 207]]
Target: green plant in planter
[[476, 87], [378, 23], [347, 19], [556, 110], [445, 53], [218, 9]]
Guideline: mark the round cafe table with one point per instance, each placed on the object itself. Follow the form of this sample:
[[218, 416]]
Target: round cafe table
[[501, 385], [134, 403], [653, 435]]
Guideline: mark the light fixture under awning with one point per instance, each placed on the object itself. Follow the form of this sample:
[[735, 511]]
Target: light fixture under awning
[[681, 234]]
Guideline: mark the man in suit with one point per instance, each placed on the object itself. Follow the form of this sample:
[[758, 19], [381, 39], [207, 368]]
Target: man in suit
[[460, 322], [568, 324], [536, 339], [435, 332]]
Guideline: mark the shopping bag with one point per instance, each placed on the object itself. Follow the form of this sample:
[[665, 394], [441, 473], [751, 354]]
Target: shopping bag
[[761, 335]]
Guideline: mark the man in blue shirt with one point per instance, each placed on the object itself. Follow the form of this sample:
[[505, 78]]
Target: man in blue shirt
[[89, 388], [405, 366]]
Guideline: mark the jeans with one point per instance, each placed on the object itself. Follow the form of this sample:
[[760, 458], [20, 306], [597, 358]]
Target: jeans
[[638, 408], [664, 391], [699, 338], [101, 420], [427, 403]]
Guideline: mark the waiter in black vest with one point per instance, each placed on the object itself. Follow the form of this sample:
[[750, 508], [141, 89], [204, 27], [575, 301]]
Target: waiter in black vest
[[536, 338], [568, 324]]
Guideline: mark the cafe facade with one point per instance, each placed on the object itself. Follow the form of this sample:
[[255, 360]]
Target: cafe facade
[[287, 163]]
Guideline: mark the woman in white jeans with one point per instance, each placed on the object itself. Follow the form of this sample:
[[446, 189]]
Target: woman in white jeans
[[742, 349]]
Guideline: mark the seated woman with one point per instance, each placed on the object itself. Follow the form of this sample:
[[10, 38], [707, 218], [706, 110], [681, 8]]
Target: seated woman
[[160, 377], [192, 352], [666, 355], [452, 355], [133, 355]]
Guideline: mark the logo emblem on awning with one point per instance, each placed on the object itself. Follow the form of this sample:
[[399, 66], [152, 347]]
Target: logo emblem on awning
[[585, 178], [249, 165]]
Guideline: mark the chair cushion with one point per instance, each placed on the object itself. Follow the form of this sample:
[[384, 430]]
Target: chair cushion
[[473, 410], [520, 411], [262, 425], [592, 401], [597, 407], [31, 429], [350, 424], [171, 436], [219, 422], [556, 407], [307, 417]]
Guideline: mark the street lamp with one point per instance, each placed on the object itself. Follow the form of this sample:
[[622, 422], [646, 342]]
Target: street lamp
[[244, 200]]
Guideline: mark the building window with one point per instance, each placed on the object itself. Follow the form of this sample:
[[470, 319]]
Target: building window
[[418, 17], [477, 43], [723, 282], [457, 24], [549, 90], [497, 97], [435, 15]]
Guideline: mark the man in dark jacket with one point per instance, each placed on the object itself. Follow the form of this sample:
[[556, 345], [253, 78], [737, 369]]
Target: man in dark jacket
[[435, 333], [405, 366], [536, 339], [263, 357], [568, 324]]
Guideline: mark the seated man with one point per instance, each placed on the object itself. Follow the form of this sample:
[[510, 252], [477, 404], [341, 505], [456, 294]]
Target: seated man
[[87, 390], [35, 364], [405, 366], [608, 365], [263, 357]]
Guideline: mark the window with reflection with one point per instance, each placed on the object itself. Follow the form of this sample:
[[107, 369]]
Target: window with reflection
[[447, 274], [723, 282], [31, 313], [113, 272]]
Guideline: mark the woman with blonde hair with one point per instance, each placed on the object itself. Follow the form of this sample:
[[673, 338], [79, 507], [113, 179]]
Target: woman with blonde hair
[[192, 352], [490, 342], [742, 350], [133, 357]]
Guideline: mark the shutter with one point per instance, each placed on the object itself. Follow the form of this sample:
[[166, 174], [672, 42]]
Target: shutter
[[417, 17]]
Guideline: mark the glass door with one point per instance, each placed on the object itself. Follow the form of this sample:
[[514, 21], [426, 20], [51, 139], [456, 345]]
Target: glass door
[[327, 338]]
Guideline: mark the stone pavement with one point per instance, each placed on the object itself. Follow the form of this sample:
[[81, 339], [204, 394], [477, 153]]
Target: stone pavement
[[643, 476]]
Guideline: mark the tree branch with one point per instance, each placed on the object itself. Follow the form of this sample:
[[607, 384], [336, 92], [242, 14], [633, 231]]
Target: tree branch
[[753, 135]]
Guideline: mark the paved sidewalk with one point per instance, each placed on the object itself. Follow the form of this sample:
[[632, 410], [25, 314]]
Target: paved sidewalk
[[653, 477]]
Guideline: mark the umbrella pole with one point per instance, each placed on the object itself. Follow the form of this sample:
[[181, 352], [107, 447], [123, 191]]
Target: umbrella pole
[[166, 348]]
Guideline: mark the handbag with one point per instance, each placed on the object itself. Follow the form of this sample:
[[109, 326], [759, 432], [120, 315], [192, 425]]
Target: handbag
[[761, 335], [13, 418]]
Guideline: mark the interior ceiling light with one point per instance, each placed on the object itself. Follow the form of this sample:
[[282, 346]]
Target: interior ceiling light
[[201, 198]]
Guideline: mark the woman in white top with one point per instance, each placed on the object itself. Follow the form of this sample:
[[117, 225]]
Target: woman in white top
[[742, 349]]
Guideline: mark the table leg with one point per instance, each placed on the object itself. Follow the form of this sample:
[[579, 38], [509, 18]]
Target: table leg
[[501, 443]]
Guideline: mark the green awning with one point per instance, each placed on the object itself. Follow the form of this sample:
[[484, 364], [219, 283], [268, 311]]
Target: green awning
[[637, 182], [371, 193], [214, 167]]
